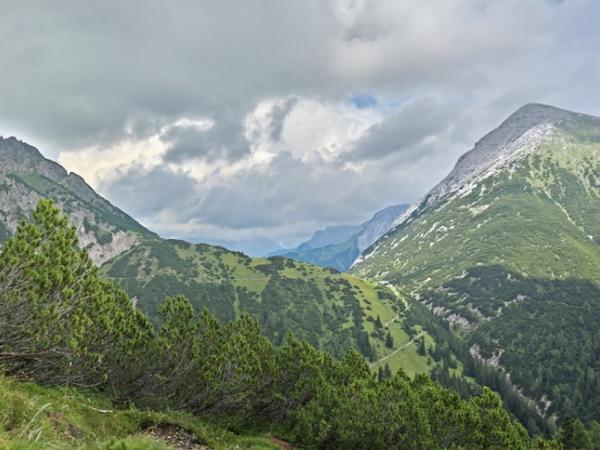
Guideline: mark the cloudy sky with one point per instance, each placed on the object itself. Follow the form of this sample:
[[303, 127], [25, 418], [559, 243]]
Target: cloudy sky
[[233, 119]]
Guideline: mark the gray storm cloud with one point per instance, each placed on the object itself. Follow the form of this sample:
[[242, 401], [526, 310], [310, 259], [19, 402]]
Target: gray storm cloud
[[80, 74], [402, 132], [225, 139]]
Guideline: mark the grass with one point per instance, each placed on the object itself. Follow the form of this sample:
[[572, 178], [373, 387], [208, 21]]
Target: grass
[[35, 417]]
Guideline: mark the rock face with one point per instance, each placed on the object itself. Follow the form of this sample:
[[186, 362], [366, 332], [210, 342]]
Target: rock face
[[379, 224], [26, 177], [498, 145], [339, 246]]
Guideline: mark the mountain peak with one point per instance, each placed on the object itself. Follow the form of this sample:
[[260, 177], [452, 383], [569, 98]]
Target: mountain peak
[[534, 108], [500, 143], [532, 114], [26, 176], [12, 145], [20, 157]]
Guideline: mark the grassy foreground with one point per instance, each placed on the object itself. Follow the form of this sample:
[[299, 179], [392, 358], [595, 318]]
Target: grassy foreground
[[34, 417]]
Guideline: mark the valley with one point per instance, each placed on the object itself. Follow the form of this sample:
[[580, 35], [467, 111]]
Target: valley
[[309, 225], [331, 310], [490, 280]]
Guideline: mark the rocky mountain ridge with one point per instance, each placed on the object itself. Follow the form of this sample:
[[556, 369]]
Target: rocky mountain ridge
[[26, 177], [522, 129]]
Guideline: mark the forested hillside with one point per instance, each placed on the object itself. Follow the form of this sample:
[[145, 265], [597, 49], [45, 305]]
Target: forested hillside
[[62, 324], [332, 311]]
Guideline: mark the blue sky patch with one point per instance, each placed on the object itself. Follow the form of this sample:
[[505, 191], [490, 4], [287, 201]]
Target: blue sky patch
[[363, 101]]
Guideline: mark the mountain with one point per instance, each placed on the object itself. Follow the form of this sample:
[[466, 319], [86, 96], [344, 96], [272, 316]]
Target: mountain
[[329, 236], [333, 311], [339, 246], [506, 250], [26, 177], [79, 333]]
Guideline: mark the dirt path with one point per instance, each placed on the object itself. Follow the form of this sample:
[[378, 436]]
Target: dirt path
[[402, 347], [281, 444]]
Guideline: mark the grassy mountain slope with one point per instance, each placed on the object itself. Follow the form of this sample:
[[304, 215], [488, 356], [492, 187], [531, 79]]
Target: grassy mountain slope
[[35, 417], [511, 258], [329, 309]]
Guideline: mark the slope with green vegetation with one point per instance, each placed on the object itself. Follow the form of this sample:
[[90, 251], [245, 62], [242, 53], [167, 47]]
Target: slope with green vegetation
[[506, 250], [61, 324], [331, 310], [36, 417]]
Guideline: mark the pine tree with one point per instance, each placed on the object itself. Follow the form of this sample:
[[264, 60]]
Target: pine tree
[[421, 350], [567, 432], [579, 439], [595, 435], [59, 322], [387, 373], [389, 340]]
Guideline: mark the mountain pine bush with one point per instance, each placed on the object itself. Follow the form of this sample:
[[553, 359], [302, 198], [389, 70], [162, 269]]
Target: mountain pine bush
[[62, 324]]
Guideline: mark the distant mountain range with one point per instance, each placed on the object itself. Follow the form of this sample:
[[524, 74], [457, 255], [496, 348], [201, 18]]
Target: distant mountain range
[[335, 246], [339, 246]]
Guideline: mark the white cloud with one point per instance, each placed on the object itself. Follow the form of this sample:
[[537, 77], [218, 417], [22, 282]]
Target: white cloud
[[99, 164], [315, 128]]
